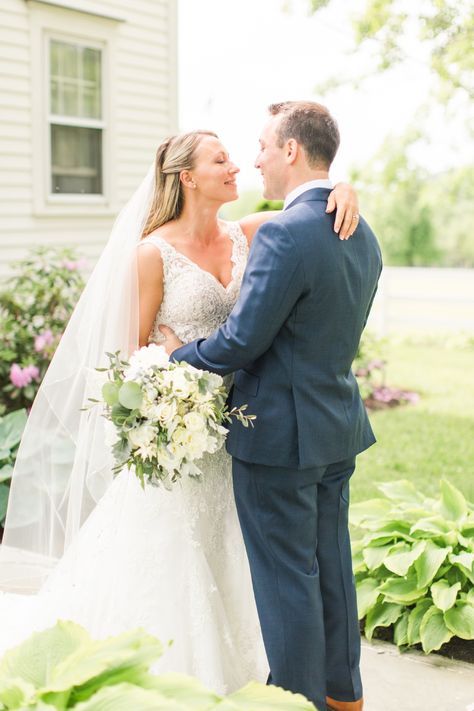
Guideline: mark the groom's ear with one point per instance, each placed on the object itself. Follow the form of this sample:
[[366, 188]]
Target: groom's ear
[[291, 151]]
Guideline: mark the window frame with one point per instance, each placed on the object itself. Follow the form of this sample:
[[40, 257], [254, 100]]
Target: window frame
[[47, 24]]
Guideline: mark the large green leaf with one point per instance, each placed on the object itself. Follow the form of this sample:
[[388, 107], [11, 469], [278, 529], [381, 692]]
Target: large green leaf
[[11, 428], [6, 472], [429, 562], [460, 620], [105, 662], [415, 618], [383, 614], [258, 697], [16, 692], [127, 697], [465, 562], [180, 687], [402, 590], [373, 509], [433, 526], [130, 395], [402, 490], [400, 560], [433, 630], [367, 595], [400, 630], [444, 595], [35, 660], [453, 504], [374, 556]]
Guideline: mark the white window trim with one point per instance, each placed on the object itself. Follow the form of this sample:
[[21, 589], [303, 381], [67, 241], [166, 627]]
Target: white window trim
[[48, 22]]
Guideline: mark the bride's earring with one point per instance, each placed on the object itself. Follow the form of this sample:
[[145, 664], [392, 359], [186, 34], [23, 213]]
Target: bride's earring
[[193, 184]]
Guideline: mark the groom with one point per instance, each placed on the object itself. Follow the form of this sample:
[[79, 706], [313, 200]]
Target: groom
[[291, 340]]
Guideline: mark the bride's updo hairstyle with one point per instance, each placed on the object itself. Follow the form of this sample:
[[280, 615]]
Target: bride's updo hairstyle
[[174, 155]]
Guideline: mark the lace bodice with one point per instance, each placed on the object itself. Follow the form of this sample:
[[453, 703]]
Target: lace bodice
[[195, 303]]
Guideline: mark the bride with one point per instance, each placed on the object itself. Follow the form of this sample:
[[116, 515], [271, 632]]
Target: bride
[[105, 553]]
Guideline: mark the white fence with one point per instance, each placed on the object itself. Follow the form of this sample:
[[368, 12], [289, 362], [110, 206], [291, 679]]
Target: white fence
[[424, 299]]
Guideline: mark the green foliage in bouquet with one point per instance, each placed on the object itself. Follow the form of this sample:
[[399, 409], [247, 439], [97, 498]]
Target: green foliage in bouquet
[[35, 305], [63, 668], [11, 430], [414, 564]]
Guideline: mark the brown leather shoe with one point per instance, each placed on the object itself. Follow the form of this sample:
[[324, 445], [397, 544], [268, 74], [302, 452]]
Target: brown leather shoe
[[334, 705]]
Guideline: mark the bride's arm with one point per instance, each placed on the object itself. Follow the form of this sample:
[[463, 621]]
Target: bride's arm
[[150, 288], [343, 198]]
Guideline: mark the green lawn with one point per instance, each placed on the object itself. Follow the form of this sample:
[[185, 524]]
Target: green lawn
[[432, 439]]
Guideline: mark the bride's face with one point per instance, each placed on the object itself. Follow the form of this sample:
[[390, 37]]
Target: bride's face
[[214, 173]]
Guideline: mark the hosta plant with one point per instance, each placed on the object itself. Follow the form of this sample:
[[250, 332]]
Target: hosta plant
[[414, 564], [63, 668]]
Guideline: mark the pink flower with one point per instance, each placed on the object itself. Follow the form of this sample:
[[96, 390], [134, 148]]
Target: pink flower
[[70, 265], [20, 377], [42, 340]]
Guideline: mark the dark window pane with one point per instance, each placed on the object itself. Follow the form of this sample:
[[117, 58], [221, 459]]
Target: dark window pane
[[76, 160]]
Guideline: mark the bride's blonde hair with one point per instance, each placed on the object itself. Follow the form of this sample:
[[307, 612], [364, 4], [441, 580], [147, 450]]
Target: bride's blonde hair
[[175, 154]]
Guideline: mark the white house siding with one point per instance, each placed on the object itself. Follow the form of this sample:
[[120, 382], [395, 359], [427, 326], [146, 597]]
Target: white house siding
[[143, 111]]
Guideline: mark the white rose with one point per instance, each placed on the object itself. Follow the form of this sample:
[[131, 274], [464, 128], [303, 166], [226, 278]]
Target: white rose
[[166, 460], [195, 422], [142, 436], [166, 412], [182, 387]]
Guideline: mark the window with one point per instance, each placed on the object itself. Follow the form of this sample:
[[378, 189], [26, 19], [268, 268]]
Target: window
[[74, 55], [75, 118]]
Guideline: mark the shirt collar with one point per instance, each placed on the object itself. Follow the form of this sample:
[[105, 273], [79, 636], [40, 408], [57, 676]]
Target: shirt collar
[[300, 189]]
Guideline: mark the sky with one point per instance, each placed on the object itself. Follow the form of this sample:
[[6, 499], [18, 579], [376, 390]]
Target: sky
[[237, 56]]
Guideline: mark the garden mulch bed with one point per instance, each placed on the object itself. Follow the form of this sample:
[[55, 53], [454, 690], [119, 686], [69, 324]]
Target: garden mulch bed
[[461, 650]]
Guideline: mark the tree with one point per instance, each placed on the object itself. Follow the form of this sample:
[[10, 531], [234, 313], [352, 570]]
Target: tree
[[446, 28]]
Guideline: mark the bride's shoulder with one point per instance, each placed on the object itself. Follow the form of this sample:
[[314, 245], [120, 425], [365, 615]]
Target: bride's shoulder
[[250, 223]]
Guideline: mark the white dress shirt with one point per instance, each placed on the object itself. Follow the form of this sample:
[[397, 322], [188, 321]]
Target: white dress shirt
[[300, 189]]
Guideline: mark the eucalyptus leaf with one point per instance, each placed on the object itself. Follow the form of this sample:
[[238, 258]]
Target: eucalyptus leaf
[[110, 393], [6, 473], [130, 395]]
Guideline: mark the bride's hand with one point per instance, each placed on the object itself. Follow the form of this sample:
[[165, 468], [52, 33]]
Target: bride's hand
[[171, 342], [343, 199]]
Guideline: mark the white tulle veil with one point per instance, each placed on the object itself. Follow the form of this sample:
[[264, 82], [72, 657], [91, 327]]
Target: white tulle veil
[[63, 466]]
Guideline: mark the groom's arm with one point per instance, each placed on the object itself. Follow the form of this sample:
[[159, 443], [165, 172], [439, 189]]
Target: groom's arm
[[272, 284]]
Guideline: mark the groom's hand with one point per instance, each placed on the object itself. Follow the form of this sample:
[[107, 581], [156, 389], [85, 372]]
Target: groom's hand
[[172, 341], [343, 199]]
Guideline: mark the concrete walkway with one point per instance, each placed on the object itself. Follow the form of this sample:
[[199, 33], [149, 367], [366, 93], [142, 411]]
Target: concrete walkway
[[413, 681]]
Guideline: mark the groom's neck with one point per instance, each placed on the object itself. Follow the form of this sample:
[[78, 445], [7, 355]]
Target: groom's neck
[[304, 176]]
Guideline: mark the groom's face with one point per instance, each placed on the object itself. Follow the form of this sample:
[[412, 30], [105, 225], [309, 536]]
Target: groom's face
[[271, 161]]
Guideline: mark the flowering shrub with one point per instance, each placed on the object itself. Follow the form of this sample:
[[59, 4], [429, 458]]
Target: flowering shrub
[[369, 369], [414, 564], [35, 305]]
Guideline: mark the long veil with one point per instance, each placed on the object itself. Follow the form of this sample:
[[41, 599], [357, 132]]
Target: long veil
[[63, 466]]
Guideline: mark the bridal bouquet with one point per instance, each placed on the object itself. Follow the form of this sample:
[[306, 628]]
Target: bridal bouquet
[[165, 416]]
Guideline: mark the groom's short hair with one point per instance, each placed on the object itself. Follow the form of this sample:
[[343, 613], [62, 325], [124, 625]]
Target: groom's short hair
[[312, 126]]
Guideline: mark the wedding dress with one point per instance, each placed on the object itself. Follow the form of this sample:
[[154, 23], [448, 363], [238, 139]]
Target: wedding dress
[[170, 561]]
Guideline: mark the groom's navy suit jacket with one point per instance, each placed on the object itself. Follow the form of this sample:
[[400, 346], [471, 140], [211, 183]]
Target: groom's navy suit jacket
[[292, 336]]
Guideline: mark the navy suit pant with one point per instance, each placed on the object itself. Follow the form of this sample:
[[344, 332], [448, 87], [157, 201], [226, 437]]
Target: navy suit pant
[[295, 527]]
